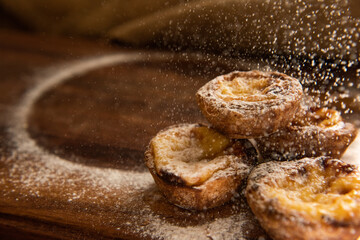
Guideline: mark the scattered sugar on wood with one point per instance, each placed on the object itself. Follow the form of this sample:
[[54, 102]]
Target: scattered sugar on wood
[[32, 172]]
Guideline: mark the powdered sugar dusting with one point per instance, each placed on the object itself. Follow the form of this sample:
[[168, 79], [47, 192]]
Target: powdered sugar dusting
[[48, 163], [32, 173], [353, 152], [239, 118], [190, 159], [279, 90]]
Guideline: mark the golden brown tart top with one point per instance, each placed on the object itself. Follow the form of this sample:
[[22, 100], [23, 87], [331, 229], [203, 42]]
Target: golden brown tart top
[[310, 196], [250, 104], [192, 154], [196, 167]]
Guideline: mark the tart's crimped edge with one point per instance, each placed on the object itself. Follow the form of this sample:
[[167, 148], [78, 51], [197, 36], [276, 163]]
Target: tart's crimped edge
[[215, 191], [247, 119], [294, 142], [281, 223]]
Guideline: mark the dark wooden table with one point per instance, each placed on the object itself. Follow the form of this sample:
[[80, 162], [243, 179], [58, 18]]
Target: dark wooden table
[[75, 118]]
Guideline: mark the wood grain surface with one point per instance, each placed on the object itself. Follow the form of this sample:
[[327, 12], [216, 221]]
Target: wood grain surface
[[75, 118], [72, 150]]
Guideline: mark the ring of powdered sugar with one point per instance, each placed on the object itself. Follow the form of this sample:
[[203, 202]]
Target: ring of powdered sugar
[[35, 169], [56, 75], [18, 124]]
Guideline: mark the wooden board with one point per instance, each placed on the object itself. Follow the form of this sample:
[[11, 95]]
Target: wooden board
[[75, 118], [73, 133]]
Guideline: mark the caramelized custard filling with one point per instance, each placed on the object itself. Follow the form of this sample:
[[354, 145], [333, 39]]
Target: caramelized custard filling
[[321, 194], [193, 154], [245, 89], [328, 117], [323, 117]]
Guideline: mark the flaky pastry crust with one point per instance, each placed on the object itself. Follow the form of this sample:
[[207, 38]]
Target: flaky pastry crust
[[250, 104], [218, 189], [313, 132], [311, 198]]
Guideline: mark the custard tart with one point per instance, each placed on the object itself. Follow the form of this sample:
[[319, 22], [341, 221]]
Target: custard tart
[[250, 104], [196, 167], [311, 198], [313, 132]]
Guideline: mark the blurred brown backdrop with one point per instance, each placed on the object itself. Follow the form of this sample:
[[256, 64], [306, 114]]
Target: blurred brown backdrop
[[329, 29]]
